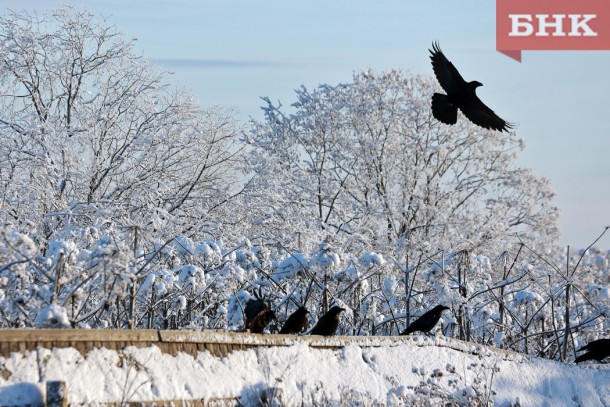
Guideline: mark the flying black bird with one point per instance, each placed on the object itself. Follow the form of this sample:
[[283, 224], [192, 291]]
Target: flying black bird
[[295, 322], [426, 322], [258, 315], [598, 350], [460, 95], [328, 323]]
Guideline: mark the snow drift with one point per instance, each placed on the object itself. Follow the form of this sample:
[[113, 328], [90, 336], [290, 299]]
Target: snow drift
[[389, 372]]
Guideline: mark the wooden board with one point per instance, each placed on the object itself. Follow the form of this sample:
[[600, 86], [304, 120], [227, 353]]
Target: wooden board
[[218, 343]]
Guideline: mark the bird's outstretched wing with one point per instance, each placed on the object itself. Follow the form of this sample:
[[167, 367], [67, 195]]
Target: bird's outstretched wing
[[481, 115], [448, 77]]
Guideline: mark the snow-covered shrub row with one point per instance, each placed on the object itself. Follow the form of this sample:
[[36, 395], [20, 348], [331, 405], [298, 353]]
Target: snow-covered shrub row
[[510, 302]]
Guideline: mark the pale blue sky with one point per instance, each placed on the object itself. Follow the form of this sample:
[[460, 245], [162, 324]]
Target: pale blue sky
[[232, 52]]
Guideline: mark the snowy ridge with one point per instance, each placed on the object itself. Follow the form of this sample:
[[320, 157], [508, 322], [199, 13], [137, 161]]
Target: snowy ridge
[[389, 371]]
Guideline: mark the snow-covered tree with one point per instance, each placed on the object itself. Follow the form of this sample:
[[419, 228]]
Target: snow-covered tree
[[366, 161], [102, 164], [92, 135]]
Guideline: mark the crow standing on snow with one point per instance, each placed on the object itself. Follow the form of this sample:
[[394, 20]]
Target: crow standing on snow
[[296, 322], [427, 321], [328, 323], [598, 350], [258, 316], [460, 95]]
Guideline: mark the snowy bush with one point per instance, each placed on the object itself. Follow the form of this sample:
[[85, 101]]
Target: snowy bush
[[102, 284], [52, 316]]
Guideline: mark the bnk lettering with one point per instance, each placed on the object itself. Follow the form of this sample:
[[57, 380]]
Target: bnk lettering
[[556, 25]]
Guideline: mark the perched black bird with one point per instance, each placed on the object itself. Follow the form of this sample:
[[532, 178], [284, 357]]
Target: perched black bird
[[598, 350], [260, 321], [460, 95], [296, 322], [427, 321], [258, 315], [253, 308], [328, 323]]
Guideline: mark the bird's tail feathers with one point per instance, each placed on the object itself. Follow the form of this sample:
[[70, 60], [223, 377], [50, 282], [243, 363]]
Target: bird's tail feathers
[[584, 357], [443, 110], [408, 331]]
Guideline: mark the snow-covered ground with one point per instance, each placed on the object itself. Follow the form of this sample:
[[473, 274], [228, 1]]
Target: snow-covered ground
[[390, 372]]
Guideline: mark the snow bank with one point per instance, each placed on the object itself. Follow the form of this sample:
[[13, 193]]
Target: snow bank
[[52, 316], [395, 373]]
